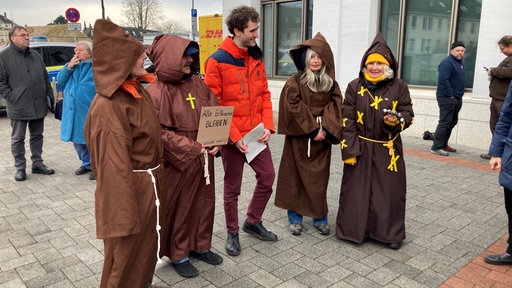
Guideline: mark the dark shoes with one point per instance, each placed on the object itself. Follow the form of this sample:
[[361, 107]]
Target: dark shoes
[[233, 244], [259, 231], [186, 269], [82, 170], [43, 169], [323, 228], [395, 246], [92, 177], [208, 257], [20, 175], [485, 156], [501, 259]]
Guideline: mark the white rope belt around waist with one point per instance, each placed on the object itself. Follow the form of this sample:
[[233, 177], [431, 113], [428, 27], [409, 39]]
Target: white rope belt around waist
[[319, 121], [157, 204], [206, 171]]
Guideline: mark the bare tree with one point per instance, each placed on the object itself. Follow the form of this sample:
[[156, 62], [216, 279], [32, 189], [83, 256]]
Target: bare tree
[[142, 13], [171, 26]]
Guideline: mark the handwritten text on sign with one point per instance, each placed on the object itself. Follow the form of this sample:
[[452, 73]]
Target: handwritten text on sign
[[214, 125]]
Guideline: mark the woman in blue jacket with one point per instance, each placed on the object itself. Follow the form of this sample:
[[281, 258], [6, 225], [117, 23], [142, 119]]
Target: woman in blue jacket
[[501, 159], [77, 79]]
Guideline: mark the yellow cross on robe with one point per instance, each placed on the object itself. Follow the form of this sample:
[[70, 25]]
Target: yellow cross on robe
[[360, 117], [344, 121], [376, 102], [343, 145], [361, 92], [191, 99]]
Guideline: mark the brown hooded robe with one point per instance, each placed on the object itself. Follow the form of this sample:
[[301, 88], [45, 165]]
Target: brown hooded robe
[[123, 134], [190, 202], [372, 198], [302, 180]]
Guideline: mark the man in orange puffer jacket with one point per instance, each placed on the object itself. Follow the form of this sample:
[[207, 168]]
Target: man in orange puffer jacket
[[236, 74]]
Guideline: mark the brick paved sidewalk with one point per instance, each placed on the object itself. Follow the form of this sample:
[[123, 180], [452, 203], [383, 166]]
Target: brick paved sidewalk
[[454, 215]]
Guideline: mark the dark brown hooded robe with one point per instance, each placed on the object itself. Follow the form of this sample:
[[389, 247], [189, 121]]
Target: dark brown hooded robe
[[372, 198], [190, 202], [123, 134], [302, 180]]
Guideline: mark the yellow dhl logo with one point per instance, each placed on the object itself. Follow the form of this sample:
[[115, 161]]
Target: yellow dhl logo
[[213, 33]]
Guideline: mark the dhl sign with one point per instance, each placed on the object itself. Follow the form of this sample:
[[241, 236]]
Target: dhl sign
[[213, 33]]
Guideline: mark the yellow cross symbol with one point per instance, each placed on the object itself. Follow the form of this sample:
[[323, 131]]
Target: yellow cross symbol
[[395, 103], [343, 145], [392, 164], [191, 99], [344, 122], [361, 92], [360, 117], [376, 102]]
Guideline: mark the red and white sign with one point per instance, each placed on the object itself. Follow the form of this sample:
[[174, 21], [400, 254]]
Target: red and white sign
[[72, 15]]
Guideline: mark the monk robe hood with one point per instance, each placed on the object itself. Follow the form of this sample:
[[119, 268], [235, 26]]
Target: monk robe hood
[[167, 60], [380, 46], [115, 53], [320, 46]]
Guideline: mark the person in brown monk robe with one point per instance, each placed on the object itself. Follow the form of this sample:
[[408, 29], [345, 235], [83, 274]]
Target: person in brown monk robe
[[122, 134], [178, 95]]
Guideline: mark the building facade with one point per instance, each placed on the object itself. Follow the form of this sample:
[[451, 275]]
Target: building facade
[[418, 31]]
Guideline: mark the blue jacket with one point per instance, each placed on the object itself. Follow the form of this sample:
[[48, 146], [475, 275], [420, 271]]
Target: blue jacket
[[501, 144], [79, 92], [451, 79]]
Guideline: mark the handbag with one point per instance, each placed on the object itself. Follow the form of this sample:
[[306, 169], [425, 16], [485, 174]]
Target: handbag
[[58, 109]]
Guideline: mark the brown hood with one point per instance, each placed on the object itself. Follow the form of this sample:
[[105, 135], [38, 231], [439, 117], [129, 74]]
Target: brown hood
[[380, 46], [320, 46], [166, 53], [115, 53]]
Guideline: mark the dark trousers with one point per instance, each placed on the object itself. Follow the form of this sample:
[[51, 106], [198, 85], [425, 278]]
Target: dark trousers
[[449, 108], [233, 161], [495, 108], [508, 208], [19, 130]]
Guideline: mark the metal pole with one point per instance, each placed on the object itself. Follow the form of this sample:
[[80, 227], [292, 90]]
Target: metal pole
[[192, 23]]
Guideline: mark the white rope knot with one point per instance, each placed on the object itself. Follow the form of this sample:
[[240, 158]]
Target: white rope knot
[[206, 170], [157, 204], [319, 121]]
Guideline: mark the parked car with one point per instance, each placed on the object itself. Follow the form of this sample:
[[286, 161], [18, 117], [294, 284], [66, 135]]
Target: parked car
[[39, 38], [55, 55]]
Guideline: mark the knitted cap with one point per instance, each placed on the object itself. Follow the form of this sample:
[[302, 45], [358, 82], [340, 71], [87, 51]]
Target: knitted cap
[[376, 57], [457, 44]]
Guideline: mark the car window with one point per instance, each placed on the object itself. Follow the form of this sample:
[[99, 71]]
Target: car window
[[55, 55]]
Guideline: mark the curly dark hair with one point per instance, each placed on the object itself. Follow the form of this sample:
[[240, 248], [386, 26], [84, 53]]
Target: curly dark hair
[[240, 16]]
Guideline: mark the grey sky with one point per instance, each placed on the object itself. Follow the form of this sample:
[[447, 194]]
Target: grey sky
[[42, 12]]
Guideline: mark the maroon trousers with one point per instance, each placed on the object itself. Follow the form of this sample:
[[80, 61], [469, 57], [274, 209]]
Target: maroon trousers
[[233, 161]]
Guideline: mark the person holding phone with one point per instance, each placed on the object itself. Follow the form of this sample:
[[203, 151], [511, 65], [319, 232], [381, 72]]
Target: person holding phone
[[500, 78], [77, 79]]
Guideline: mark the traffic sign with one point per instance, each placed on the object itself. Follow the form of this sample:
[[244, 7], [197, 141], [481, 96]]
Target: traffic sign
[[72, 15], [74, 26]]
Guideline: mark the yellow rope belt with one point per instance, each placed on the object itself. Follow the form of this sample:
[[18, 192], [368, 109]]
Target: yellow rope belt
[[389, 144]]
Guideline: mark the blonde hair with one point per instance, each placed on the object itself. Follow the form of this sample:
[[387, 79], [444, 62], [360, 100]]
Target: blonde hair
[[316, 81]]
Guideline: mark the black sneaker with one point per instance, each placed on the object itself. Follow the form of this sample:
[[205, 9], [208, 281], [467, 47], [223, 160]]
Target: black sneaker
[[208, 257], [259, 231], [186, 269], [20, 175], [82, 170], [233, 244], [43, 169]]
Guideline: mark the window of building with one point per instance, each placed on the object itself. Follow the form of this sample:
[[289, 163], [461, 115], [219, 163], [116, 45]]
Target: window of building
[[285, 24], [419, 67]]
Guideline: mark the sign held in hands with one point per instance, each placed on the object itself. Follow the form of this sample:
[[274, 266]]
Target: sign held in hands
[[214, 125]]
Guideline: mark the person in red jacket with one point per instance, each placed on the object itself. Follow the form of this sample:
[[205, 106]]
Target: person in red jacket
[[236, 74]]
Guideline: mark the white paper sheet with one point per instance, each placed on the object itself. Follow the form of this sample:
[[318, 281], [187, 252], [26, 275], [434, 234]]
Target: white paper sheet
[[254, 146]]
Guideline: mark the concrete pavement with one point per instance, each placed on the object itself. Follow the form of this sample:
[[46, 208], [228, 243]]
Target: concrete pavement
[[454, 213]]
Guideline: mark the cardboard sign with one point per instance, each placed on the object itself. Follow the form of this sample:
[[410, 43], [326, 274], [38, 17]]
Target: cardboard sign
[[214, 125]]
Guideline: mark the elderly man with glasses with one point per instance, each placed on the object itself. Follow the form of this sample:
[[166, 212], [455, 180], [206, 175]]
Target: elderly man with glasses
[[25, 85]]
